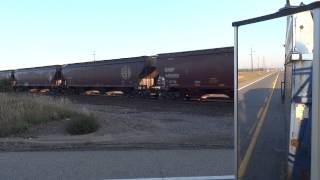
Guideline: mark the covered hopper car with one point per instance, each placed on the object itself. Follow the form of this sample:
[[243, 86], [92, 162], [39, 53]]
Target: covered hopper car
[[38, 77], [6, 80], [6, 75], [108, 75], [196, 73]]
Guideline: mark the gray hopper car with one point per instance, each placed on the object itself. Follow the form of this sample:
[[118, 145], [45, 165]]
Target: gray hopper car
[[38, 77], [6, 75], [119, 74]]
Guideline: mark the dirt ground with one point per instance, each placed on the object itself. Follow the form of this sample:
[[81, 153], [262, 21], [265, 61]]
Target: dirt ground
[[129, 121]]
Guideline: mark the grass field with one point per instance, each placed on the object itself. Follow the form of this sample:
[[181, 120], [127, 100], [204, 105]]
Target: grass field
[[250, 75], [18, 112]]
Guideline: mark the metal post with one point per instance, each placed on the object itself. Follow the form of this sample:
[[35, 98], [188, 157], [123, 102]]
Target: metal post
[[315, 140], [235, 84]]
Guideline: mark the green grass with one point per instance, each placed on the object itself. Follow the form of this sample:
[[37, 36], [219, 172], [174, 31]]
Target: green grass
[[18, 112], [82, 125]]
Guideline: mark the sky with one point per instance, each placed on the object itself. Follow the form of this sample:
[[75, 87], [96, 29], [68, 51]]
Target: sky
[[266, 41], [38, 33]]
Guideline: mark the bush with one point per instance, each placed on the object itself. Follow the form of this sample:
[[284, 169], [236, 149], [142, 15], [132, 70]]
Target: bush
[[82, 125], [5, 85], [18, 112]]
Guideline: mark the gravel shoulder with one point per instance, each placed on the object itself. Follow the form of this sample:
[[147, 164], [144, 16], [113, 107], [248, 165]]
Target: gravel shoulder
[[135, 123]]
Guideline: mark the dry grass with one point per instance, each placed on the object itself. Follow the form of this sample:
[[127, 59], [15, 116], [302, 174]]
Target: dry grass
[[20, 111], [249, 75]]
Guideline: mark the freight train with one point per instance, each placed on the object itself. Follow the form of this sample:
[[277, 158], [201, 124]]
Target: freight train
[[189, 74]]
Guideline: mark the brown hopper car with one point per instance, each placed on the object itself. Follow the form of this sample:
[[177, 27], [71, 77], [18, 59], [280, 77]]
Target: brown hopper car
[[197, 72]]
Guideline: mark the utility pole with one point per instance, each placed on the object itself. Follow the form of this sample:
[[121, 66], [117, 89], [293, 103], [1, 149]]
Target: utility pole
[[288, 3], [258, 63], [94, 56], [251, 55], [263, 63]]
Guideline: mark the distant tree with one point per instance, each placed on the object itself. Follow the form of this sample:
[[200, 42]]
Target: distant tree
[[5, 85]]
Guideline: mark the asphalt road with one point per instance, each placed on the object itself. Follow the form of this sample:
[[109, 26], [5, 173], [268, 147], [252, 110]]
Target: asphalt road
[[99, 165], [262, 130]]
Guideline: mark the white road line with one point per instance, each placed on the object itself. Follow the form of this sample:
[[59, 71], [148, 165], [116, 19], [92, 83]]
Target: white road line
[[227, 177], [255, 81]]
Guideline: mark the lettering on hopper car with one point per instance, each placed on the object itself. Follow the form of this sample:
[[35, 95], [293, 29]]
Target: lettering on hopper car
[[50, 78], [197, 83], [213, 80], [125, 72], [173, 83], [172, 76], [169, 69]]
